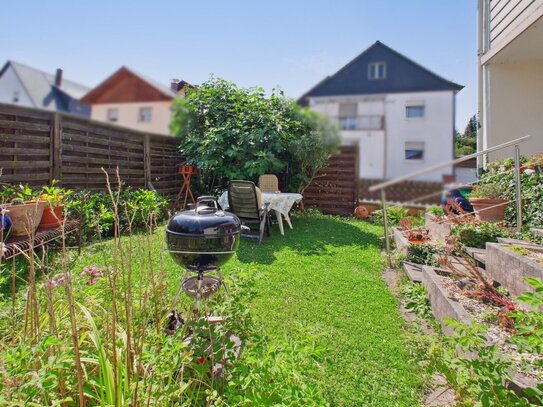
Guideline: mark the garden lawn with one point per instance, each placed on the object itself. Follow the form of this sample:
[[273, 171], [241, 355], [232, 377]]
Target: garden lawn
[[323, 282], [319, 290]]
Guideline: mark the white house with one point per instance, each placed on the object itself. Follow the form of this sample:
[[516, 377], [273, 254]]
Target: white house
[[399, 113], [510, 75], [129, 99], [26, 86]]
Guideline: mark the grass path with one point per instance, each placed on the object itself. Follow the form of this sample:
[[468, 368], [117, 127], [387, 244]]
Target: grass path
[[322, 281]]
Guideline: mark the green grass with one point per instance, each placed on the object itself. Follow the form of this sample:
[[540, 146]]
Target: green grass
[[318, 287], [322, 281]]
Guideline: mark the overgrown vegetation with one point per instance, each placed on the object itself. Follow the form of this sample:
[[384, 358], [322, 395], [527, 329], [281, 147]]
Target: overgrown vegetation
[[502, 176], [466, 143], [91, 327], [477, 234], [394, 216], [423, 254], [235, 133]]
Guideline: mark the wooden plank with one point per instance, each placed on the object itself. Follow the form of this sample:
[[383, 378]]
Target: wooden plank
[[24, 151], [23, 125], [23, 178], [94, 140], [72, 148], [23, 164], [14, 138]]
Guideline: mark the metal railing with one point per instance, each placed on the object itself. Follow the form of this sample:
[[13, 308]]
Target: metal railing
[[360, 122], [383, 185]]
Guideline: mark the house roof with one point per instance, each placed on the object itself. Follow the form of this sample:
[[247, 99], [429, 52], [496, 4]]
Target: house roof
[[127, 85], [41, 89], [402, 75]]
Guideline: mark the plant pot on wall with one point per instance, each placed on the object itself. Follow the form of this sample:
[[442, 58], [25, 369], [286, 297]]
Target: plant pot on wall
[[496, 213], [26, 217], [52, 217]]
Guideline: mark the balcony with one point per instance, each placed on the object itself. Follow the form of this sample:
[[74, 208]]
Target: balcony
[[363, 122]]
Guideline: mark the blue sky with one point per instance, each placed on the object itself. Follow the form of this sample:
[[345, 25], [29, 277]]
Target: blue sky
[[291, 44]]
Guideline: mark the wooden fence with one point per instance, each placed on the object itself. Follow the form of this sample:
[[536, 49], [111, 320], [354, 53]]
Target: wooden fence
[[335, 190], [37, 146]]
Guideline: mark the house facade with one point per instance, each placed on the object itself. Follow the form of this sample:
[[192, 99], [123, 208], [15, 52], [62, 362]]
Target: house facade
[[398, 113], [510, 75], [23, 85], [129, 99]]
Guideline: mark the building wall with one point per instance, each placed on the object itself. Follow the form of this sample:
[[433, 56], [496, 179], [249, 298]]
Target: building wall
[[516, 107], [506, 16], [9, 84], [435, 130], [128, 114]]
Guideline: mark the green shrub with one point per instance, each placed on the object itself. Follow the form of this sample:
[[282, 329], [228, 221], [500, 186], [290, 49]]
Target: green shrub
[[532, 192], [394, 215], [477, 235], [416, 299], [436, 210], [423, 254], [230, 133]]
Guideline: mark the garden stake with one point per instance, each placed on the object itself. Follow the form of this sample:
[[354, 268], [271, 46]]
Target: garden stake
[[385, 225], [517, 187]]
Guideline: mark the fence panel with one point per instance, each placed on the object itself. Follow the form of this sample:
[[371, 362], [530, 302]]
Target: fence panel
[[38, 146], [335, 189]]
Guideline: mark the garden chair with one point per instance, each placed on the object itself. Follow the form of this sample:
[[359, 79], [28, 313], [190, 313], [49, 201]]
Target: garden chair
[[268, 183], [245, 201]]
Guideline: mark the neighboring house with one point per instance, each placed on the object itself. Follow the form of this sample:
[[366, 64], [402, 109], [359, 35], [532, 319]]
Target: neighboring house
[[25, 86], [399, 113], [510, 75], [132, 100]]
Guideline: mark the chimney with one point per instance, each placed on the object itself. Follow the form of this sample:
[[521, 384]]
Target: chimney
[[173, 84], [58, 78]]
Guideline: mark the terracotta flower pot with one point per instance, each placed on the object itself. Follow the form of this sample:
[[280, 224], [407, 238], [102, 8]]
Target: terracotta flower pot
[[187, 169], [25, 217], [52, 217], [495, 214]]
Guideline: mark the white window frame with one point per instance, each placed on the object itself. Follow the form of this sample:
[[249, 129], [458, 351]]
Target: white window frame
[[420, 106], [373, 70], [112, 114], [413, 147], [145, 118]]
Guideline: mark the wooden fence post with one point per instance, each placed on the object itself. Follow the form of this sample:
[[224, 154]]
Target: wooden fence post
[[56, 149], [147, 160]]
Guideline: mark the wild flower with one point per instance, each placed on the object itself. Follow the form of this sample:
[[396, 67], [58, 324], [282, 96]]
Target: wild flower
[[58, 280], [93, 272]]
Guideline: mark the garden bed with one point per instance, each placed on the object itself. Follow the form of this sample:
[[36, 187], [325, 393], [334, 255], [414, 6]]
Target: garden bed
[[438, 228], [510, 267], [448, 301]]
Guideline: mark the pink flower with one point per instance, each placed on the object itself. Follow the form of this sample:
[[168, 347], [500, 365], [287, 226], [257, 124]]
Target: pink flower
[[93, 273], [58, 280]]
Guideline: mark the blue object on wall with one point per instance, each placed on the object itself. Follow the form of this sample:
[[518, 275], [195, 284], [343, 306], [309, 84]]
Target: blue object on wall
[[5, 222]]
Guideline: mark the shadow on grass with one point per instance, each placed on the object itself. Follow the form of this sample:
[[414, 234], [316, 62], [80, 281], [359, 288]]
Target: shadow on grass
[[311, 236]]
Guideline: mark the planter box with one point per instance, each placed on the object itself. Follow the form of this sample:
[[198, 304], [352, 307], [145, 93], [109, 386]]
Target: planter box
[[402, 243], [438, 230], [442, 306], [445, 307], [510, 268]]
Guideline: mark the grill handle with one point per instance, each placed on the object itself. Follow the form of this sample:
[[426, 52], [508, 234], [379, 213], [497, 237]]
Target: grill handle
[[205, 199]]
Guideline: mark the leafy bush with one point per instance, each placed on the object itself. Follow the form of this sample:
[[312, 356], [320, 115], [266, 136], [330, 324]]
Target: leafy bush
[[489, 191], [234, 133], [394, 215], [476, 235], [529, 324], [97, 212], [502, 174], [477, 380], [416, 299], [436, 210], [423, 254]]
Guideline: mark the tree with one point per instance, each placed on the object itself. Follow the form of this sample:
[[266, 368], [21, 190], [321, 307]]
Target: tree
[[465, 144], [235, 133]]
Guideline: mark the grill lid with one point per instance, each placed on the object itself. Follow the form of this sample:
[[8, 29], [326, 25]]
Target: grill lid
[[204, 221]]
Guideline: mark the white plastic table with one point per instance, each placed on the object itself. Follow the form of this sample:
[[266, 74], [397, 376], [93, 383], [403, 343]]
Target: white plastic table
[[280, 202]]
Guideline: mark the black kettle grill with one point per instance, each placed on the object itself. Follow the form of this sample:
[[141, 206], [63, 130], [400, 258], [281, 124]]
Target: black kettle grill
[[201, 240]]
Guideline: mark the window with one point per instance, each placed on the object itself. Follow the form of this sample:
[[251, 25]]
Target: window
[[377, 70], [112, 115], [347, 116], [15, 96], [347, 123], [415, 111], [372, 122], [414, 150], [145, 114]]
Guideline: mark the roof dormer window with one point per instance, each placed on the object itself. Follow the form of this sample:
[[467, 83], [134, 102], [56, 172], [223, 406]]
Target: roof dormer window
[[377, 70]]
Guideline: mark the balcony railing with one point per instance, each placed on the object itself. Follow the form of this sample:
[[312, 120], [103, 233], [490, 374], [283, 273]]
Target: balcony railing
[[361, 122]]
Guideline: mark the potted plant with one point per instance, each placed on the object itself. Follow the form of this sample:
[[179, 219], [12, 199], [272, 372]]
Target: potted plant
[[25, 210], [54, 197], [186, 169], [535, 162], [487, 202]]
